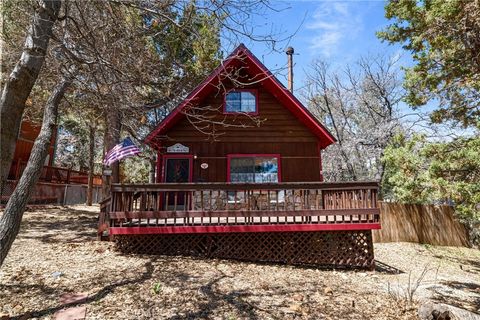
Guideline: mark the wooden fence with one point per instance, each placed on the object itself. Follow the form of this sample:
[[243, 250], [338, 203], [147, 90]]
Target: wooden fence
[[435, 225]]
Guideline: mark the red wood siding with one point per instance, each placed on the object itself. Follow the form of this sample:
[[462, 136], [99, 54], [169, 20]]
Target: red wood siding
[[244, 67], [280, 132], [28, 133]]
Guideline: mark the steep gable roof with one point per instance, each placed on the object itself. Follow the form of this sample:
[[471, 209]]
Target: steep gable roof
[[242, 55]]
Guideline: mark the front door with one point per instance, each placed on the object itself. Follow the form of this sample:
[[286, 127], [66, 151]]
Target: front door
[[177, 170]]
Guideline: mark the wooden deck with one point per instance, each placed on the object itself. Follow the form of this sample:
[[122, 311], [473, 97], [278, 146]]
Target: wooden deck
[[320, 224], [222, 208]]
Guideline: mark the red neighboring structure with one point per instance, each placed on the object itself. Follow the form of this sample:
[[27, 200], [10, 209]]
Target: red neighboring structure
[[26, 138], [54, 181]]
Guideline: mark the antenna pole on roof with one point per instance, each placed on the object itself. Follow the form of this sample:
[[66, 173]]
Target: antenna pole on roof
[[289, 51]]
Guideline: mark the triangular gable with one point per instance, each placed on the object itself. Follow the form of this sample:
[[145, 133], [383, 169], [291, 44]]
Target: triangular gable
[[269, 82]]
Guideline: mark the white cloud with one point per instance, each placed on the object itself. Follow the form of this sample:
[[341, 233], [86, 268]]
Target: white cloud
[[334, 22]]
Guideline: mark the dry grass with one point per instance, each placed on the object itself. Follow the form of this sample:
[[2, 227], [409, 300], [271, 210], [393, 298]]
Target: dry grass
[[56, 253], [449, 275]]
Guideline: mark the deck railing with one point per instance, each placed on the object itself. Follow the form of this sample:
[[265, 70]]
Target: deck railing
[[241, 204], [59, 175]]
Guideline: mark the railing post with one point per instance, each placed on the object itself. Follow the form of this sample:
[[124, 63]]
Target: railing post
[[17, 169], [68, 175]]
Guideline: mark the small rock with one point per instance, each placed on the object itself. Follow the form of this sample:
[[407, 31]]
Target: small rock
[[68, 298], [57, 274], [362, 274], [297, 308], [328, 291], [71, 313], [441, 311], [18, 308], [297, 297], [305, 311], [431, 311], [264, 286], [100, 250]]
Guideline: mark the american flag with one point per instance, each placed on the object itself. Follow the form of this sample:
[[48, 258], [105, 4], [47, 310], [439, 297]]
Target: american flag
[[124, 149]]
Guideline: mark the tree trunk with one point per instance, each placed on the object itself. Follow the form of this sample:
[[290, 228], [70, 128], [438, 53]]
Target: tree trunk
[[91, 158], [19, 84], [12, 216], [2, 45], [112, 138]]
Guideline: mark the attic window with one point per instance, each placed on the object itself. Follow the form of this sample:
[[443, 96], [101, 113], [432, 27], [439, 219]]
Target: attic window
[[244, 101]]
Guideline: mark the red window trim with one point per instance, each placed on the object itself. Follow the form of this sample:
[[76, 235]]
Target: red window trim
[[165, 157], [255, 93], [255, 155]]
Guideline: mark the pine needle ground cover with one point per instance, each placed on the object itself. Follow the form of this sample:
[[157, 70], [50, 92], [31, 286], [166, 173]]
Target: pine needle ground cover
[[56, 253]]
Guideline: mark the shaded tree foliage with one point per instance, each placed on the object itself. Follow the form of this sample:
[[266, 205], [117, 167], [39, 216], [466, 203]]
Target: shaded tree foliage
[[419, 171], [125, 54], [19, 83], [444, 39]]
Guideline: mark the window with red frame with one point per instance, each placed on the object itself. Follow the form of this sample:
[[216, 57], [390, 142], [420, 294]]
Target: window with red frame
[[241, 101]]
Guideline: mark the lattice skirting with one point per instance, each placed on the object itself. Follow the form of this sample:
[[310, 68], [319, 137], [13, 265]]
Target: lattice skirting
[[338, 249]]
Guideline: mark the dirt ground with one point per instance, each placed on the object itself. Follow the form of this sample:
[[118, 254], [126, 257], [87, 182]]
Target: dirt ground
[[56, 253]]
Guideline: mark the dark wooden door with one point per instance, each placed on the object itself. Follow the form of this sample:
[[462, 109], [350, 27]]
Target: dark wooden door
[[177, 170]]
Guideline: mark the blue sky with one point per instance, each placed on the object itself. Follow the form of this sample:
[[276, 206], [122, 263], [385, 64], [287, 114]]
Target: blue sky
[[335, 31]]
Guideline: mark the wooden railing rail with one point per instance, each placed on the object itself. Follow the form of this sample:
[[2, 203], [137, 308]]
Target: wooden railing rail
[[193, 204], [200, 214], [60, 175], [195, 186]]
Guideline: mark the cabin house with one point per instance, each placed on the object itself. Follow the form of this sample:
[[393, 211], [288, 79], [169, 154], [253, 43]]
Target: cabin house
[[261, 132], [239, 175]]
